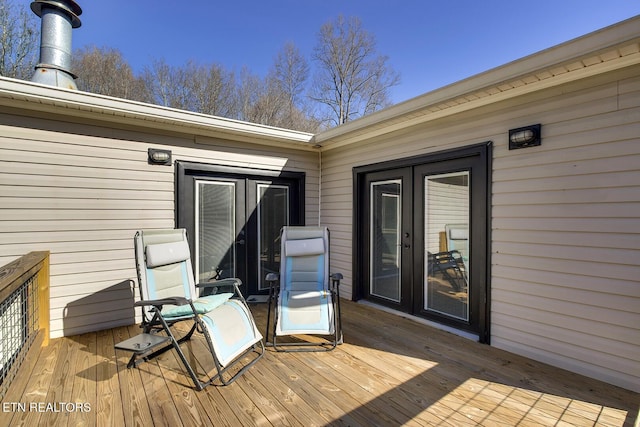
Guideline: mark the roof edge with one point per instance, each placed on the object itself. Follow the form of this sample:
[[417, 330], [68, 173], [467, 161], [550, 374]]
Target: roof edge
[[491, 81], [34, 96]]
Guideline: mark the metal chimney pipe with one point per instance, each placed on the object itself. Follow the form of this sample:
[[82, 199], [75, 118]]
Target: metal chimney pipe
[[58, 18]]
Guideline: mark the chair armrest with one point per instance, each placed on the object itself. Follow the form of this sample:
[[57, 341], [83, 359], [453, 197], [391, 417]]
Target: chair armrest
[[163, 301], [272, 277], [232, 281], [335, 279]]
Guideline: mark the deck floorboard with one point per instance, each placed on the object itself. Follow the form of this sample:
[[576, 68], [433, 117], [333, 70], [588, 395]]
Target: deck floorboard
[[390, 371]]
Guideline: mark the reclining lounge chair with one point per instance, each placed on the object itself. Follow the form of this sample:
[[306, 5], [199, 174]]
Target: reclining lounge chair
[[304, 296], [451, 266], [168, 296]]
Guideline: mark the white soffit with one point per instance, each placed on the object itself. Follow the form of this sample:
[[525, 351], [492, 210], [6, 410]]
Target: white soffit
[[64, 102], [609, 49]]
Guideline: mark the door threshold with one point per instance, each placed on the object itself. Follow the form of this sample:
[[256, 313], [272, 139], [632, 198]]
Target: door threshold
[[461, 333]]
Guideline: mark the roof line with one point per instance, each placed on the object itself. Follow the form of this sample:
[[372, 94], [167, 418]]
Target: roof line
[[604, 50], [33, 96]]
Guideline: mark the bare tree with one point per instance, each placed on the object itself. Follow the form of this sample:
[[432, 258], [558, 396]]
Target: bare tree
[[18, 41], [352, 80], [261, 100], [290, 72], [208, 89], [247, 91], [161, 80], [211, 89], [105, 71], [288, 78]]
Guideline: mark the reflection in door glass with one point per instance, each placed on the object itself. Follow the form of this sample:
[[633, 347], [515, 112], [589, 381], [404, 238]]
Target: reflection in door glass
[[446, 226], [273, 214], [385, 239], [215, 230]]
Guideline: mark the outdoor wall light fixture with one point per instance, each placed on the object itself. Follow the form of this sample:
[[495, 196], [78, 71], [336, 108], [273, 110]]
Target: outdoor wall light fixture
[[159, 157], [528, 136]]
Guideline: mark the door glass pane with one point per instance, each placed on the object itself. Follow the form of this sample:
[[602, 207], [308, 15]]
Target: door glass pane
[[215, 230], [385, 237], [446, 226], [273, 214]]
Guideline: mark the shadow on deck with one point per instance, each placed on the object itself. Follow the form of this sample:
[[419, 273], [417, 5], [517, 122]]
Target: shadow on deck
[[390, 371]]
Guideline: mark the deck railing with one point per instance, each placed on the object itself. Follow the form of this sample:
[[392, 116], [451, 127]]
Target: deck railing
[[24, 312]]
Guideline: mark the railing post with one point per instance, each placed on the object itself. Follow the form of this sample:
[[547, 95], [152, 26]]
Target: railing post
[[24, 312], [43, 300]]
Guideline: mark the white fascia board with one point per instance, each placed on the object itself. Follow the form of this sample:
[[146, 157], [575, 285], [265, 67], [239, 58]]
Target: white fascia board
[[38, 97]]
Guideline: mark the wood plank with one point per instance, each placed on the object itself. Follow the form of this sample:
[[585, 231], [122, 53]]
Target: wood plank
[[452, 354], [259, 389], [161, 405], [242, 400], [135, 405], [181, 388], [61, 389], [19, 384], [108, 404], [17, 272], [40, 381], [390, 371], [84, 394], [353, 391], [296, 395], [276, 390]]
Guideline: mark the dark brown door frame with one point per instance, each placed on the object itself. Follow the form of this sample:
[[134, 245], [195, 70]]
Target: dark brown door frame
[[185, 174], [481, 236]]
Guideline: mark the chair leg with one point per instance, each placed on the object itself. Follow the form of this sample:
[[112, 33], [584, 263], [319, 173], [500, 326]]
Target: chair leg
[[222, 371], [311, 346], [174, 343], [198, 383], [339, 314], [150, 327], [266, 334], [273, 295]]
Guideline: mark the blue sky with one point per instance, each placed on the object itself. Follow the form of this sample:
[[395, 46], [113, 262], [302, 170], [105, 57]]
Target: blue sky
[[431, 43]]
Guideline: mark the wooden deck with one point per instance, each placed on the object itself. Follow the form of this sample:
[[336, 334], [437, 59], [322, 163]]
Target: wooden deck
[[390, 371]]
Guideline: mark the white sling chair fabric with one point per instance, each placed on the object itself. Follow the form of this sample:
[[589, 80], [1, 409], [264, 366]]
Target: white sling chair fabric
[[305, 303]]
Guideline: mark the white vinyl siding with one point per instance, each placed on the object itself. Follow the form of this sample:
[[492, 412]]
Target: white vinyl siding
[[566, 238], [81, 192], [565, 220]]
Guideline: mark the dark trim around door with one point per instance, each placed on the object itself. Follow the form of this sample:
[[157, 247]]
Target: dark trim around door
[[483, 152]]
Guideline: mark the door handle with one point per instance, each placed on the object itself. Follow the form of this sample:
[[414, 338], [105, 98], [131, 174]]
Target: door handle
[[240, 240]]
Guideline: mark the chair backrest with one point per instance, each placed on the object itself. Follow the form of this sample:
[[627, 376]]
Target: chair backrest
[[163, 263], [305, 265], [458, 238]]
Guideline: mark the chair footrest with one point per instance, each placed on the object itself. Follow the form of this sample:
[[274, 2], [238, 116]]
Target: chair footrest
[[142, 343]]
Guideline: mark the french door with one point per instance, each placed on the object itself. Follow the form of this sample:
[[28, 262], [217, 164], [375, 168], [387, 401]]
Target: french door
[[233, 219], [421, 237]]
